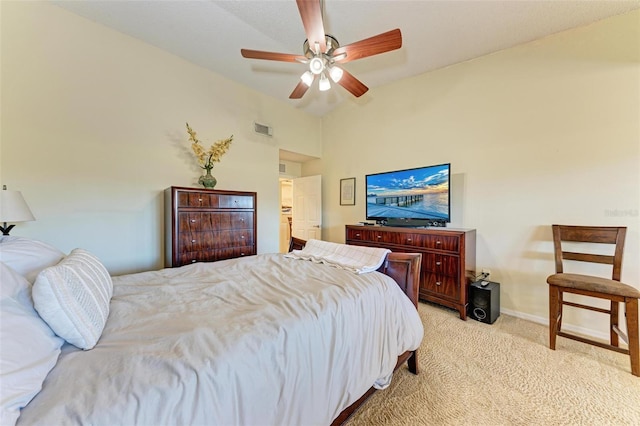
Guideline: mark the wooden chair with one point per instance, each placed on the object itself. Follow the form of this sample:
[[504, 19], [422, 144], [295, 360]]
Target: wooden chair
[[296, 243], [587, 285]]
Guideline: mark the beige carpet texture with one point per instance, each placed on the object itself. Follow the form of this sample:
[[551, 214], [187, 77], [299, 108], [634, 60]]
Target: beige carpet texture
[[504, 373]]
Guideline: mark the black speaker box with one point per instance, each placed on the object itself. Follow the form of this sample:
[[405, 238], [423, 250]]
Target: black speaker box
[[484, 301]]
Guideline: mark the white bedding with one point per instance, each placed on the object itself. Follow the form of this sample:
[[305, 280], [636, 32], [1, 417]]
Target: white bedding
[[261, 340], [358, 259]]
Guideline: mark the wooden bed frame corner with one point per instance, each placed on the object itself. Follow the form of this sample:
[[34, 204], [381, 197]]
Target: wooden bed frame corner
[[404, 268]]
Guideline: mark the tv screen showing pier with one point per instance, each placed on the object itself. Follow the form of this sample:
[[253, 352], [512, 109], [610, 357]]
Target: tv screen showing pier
[[416, 194]]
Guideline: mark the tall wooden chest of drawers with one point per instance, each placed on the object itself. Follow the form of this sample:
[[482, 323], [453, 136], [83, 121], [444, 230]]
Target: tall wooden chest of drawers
[[205, 225], [448, 258]]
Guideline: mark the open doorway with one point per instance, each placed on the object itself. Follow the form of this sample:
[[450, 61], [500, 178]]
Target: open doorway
[[300, 209], [286, 207], [300, 200]]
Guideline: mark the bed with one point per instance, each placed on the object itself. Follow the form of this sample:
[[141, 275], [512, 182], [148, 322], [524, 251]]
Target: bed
[[270, 339]]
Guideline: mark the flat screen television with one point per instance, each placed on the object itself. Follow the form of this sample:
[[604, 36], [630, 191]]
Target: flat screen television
[[410, 197]]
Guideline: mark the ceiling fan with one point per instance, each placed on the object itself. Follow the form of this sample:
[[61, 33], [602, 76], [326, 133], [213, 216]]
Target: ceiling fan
[[323, 53]]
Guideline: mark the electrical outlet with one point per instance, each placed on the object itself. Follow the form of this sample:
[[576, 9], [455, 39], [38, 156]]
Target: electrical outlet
[[486, 271]]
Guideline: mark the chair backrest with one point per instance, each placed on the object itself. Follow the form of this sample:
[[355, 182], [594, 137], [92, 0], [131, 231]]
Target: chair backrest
[[296, 244], [590, 234]]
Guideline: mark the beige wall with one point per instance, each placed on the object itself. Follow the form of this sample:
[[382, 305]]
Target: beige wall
[[548, 132], [292, 169], [93, 131]]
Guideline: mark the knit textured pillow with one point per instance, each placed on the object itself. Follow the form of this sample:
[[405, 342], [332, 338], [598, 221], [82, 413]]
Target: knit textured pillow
[[73, 298]]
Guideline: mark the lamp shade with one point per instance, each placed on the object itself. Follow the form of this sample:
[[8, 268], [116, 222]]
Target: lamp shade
[[324, 83], [307, 78], [336, 73], [13, 208]]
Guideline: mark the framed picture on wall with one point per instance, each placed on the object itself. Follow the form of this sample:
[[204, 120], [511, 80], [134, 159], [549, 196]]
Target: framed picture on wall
[[348, 192]]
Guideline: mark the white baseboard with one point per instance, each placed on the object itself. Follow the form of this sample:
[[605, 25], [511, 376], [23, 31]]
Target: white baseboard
[[567, 327]]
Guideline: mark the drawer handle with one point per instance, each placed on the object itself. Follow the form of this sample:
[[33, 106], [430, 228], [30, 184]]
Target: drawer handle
[[438, 283], [438, 263], [357, 235], [193, 261], [193, 221], [242, 220], [193, 241], [379, 236], [409, 240], [200, 199], [438, 242], [241, 254], [242, 237]]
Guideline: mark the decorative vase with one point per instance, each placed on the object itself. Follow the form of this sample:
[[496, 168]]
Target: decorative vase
[[207, 180]]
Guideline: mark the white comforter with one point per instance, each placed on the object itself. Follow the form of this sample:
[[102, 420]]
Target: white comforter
[[262, 340]]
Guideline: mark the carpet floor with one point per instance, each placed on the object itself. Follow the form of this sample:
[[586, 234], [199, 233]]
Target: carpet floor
[[504, 373]]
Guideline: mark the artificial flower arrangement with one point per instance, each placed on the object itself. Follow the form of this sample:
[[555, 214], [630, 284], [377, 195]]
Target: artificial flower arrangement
[[206, 158]]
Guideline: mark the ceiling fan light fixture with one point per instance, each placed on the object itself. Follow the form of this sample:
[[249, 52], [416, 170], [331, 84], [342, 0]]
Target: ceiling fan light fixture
[[324, 84], [316, 65], [321, 55], [307, 78], [335, 73]]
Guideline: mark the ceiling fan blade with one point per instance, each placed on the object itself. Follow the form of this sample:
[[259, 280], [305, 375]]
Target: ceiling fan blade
[[299, 91], [352, 84], [381, 43], [311, 14], [271, 56]]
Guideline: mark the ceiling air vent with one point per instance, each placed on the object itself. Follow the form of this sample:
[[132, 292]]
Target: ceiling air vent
[[262, 129], [283, 168]]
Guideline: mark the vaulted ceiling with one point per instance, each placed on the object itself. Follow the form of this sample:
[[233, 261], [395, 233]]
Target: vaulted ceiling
[[435, 34]]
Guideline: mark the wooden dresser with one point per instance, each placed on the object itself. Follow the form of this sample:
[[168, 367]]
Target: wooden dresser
[[448, 258], [205, 225]]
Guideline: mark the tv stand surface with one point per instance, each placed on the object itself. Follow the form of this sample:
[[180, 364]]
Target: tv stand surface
[[407, 225], [448, 258], [413, 223]]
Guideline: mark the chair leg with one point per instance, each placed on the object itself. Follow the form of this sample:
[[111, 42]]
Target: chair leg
[[614, 318], [631, 308], [555, 310], [560, 309]]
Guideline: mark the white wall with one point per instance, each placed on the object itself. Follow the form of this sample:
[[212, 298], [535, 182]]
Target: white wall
[[547, 132], [93, 131]]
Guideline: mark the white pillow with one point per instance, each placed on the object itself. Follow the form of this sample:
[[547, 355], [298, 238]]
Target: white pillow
[[28, 257], [73, 298], [29, 348]]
